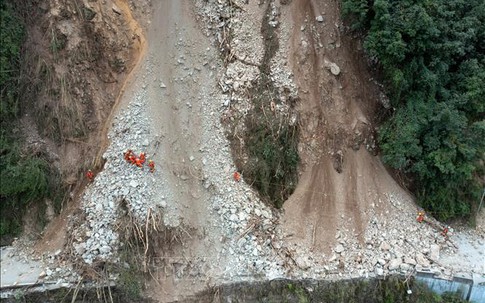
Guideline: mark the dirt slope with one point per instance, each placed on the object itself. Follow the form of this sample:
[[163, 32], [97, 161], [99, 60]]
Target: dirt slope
[[347, 217], [341, 177]]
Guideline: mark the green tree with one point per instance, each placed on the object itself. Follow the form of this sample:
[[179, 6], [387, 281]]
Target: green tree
[[11, 37], [432, 57]]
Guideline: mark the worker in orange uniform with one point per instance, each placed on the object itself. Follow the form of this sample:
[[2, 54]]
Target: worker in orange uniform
[[445, 231], [151, 164], [138, 162], [128, 154], [237, 176], [90, 176], [142, 158], [420, 217]]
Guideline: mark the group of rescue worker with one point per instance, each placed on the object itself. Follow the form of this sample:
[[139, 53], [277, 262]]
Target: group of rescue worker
[[421, 218], [130, 157]]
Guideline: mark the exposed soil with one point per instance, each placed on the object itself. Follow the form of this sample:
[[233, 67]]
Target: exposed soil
[[178, 98], [74, 156], [340, 177]]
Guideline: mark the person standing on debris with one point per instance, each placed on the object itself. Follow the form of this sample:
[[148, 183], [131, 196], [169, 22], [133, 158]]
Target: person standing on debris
[[237, 176], [420, 217], [128, 154], [132, 159], [90, 176], [138, 162], [142, 158], [151, 164], [445, 231]]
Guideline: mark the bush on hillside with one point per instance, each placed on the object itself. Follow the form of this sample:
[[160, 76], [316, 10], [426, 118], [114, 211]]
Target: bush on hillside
[[432, 58]]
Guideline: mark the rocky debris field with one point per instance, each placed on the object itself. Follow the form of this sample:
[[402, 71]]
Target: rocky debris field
[[233, 235]]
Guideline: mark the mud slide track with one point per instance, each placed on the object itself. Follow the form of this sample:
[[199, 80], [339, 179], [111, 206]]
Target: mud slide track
[[341, 179]]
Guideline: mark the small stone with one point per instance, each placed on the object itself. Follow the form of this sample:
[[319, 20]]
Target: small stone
[[379, 271], [395, 263], [384, 246], [255, 252], [319, 18], [133, 183], [163, 204], [233, 217], [435, 252], [409, 261], [116, 9], [381, 261], [339, 249], [302, 263], [80, 248], [405, 267], [334, 69], [162, 85], [105, 249], [191, 158], [266, 214]]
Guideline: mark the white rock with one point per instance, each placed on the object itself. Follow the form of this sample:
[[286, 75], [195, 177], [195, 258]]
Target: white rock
[[340, 248], [133, 183], [379, 271], [395, 263], [410, 261], [105, 249], [265, 214], [384, 246], [435, 252], [334, 69], [319, 18], [405, 267], [302, 263]]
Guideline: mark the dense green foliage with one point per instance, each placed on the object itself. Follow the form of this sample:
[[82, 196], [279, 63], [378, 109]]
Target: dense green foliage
[[270, 140], [432, 57], [393, 289], [24, 176], [11, 37], [24, 179]]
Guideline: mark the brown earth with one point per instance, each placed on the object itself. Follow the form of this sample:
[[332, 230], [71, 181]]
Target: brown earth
[[340, 174], [95, 72], [340, 177]]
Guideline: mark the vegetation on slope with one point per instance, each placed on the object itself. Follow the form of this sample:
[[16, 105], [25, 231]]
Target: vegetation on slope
[[24, 175], [432, 58]]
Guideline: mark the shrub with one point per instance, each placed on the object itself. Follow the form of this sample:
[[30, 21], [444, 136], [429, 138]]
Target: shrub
[[433, 62]]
